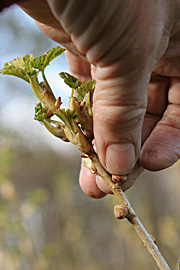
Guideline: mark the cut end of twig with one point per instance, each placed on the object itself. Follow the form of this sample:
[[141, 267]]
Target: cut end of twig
[[120, 211]]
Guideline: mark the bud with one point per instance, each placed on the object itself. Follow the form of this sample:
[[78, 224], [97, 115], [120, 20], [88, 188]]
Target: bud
[[82, 103], [56, 131], [58, 125], [87, 126], [49, 114], [70, 135], [64, 139], [84, 156], [82, 144], [58, 103], [48, 100], [74, 106], [119, 178], [120, 211], [93, 169], [86, 162]]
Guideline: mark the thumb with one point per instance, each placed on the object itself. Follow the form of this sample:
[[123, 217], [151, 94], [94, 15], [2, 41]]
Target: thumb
[[119, 108]]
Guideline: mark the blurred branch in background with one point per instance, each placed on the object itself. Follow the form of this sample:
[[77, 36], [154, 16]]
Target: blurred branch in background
[[46, 222]]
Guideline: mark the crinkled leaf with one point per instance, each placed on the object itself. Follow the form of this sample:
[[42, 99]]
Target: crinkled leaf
[[15, 68], [40, 113], [40, 118], [27, 65], [20, 67], [42, 61], [70, 80], [85, 88]]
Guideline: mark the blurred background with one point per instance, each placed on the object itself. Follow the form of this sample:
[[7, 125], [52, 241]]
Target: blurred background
[[46, 222]]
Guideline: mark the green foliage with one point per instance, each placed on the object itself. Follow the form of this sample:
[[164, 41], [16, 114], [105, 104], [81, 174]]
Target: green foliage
[[40, 113], [42, 61], [85, 88], [82, 88], [26, 67], [72, 126], [19, 67], [179, 265], [70, 80]]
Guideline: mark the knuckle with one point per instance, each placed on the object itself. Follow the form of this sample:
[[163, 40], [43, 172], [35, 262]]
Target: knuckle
[[120, 117]]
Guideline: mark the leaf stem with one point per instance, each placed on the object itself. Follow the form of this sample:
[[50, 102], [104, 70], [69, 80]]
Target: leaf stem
[[133, 219]]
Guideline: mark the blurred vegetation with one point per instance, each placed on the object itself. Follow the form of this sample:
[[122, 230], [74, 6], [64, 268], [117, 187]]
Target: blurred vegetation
[[46, 222]]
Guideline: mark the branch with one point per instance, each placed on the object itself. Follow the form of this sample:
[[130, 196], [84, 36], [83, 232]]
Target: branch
[[132, 217]]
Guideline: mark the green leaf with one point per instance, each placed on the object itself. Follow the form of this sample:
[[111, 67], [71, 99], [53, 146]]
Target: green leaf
[[20, 67], [15, 68], [40, 113], [82, 88], [179, 265], [85, 88], [70, 80], [43, 61], [27, 66]]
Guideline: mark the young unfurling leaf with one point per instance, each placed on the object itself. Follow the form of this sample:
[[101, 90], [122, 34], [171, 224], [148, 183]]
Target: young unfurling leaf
[[25, 67], [40, 112], [70, 80], [19, 67], [84, 88], [42, 61]]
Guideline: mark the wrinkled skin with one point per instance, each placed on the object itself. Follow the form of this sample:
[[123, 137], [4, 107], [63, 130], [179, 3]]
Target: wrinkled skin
[[131, 48]]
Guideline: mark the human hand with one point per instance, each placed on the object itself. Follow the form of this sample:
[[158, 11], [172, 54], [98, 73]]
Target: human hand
[[133, 46]]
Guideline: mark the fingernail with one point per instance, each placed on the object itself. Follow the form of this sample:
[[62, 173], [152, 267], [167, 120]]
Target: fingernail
[[120, 158]]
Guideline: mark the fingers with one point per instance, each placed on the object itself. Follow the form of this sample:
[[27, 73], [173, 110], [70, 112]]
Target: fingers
[[119, 109], [162, 148], [59, 35], [40, 11], [95, 187], [157, 94], [124, 56], [102, 185], [87, 182], [78, 67], [131, 178]]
